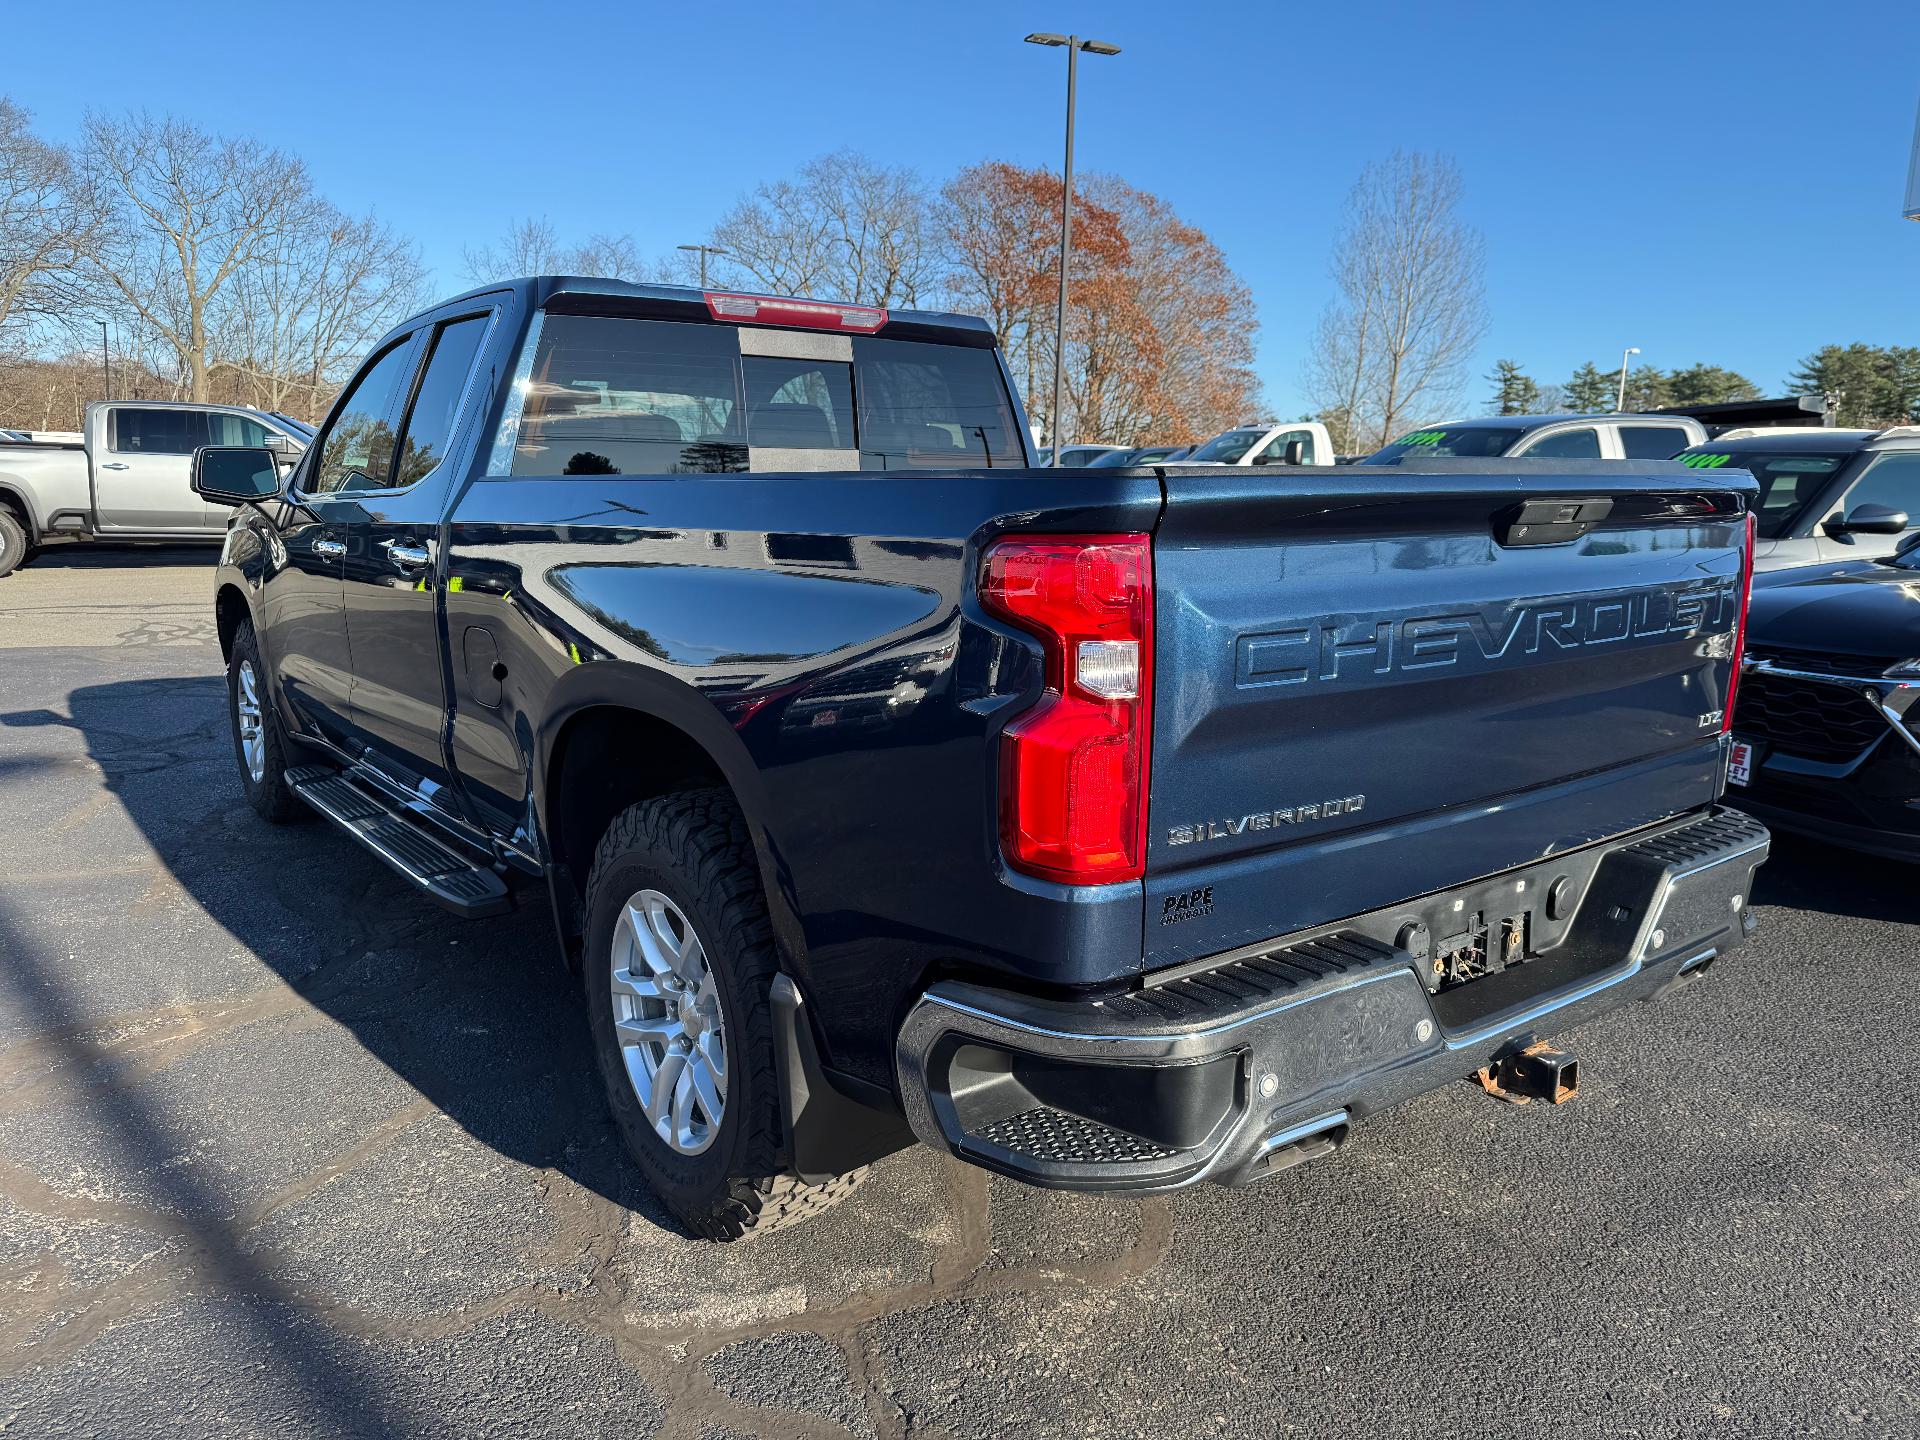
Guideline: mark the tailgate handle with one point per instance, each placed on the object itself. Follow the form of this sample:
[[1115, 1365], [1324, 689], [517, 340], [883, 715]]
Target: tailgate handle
[[1549, 522]]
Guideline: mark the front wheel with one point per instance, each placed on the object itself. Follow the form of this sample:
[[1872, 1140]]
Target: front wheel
[[678, 964], [259, 744]]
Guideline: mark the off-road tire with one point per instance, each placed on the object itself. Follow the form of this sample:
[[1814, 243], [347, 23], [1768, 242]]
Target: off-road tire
[[269, 795], [692, 846], [14, 547]]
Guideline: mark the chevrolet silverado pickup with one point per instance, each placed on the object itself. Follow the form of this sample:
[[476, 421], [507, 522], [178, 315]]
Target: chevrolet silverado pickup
[[126, 476], [1112, 829]]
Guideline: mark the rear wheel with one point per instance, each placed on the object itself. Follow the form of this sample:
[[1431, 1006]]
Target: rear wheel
[[679, 961], [13, 542], [259, 745]]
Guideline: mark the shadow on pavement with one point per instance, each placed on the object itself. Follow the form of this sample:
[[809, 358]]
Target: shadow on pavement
[[105, 555], [1806, 874], [480, 1019]]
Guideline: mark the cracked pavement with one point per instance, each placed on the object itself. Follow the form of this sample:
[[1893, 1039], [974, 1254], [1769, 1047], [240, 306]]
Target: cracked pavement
[[285, 1152]]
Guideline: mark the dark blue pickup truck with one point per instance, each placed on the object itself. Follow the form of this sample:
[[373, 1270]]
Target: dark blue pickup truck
[[1113, 829]]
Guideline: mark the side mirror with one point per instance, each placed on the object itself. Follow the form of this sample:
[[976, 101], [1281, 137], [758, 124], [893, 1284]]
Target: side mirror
[[235, 474], [285, 446], [1870, 520]]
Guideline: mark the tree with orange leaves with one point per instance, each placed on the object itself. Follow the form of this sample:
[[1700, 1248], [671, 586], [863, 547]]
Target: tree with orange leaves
[[1159, 329]]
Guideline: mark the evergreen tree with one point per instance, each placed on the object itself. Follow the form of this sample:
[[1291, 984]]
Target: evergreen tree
[[1514, 392], [1877, 386], [1589, 391], [1709, 385], [1648, 388]]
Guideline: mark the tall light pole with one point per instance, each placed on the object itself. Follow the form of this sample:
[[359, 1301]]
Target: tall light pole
[[705, 250], [1074, 46], [1620, 399], [106, 373]]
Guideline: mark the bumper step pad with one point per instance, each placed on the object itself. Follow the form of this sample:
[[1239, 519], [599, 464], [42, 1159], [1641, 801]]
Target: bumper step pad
[[452, 879], [1234, 1068]]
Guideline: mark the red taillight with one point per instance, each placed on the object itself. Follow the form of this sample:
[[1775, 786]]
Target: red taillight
[[1740, 626], [808, 314], [1073, 770]]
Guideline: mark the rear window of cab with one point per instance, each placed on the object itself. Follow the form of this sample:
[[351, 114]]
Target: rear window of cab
[[616, 395]]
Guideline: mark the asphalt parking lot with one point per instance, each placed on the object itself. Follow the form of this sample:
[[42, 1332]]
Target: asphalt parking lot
[[284, 1152]]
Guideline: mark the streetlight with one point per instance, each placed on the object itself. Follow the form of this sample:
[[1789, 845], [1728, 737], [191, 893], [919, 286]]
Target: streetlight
[[106, 374], [1620, 400], [1074, 46], [705, 250]]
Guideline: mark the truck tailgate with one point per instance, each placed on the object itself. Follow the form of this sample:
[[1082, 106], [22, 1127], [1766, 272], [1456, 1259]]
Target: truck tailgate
[[1372, 683]]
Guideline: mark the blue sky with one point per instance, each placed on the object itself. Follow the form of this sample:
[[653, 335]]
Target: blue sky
[[1708, 180]]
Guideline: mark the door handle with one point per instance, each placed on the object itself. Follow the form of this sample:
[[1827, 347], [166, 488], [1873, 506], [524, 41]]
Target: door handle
[[331, 549], [410, 557], [113, 465]]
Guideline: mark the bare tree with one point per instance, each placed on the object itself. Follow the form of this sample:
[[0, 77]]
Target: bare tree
[[190, 212], [1394, 343], [531, 247], [846, 229], [48, 223], [316, 297]]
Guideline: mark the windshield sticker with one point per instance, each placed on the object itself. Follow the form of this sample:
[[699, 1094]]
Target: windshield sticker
[[1423, 437], [1704, 462]]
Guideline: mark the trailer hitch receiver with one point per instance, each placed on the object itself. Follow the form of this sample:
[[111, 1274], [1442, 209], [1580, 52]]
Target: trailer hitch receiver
[[1538, 1072]]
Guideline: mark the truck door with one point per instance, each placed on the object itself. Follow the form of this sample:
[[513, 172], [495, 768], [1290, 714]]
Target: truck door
[[302, 603], [142, 476], [399, 704]]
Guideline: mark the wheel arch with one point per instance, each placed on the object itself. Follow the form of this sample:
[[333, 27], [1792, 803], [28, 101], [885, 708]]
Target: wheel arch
[[617, 734], [230, 608], [13, 498]]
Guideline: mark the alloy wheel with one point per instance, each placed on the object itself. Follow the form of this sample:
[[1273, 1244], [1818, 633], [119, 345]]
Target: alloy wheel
[[668, 1019], [253, 735]]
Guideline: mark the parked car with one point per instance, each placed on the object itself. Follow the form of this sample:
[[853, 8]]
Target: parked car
[[1826, 496], [1548, 437], [127, 477], [1142, 455], [1025, 814], [1265, 444], [1075, 457], [1826, 723]]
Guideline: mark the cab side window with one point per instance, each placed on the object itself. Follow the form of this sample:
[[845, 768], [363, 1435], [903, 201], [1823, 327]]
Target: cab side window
[[1653, 442], [156, 432], [436, 409], [1276, 448], [1893, 481], [1581, 444], [356, 453], [235, 430]]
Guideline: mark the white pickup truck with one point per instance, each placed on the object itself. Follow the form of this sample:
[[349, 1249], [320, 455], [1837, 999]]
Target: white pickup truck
[[1268, 443], [127, 477]]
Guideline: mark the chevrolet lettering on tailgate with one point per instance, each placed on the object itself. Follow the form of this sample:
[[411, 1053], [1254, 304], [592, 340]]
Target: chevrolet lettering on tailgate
[[1358, 648]]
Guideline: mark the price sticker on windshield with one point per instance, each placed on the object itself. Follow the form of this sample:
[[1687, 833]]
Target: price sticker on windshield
[[1740, 763]]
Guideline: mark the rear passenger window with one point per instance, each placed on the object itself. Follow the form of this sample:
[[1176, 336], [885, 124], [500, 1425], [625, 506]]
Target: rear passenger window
[[612, 396], [1567, 445], [157, 432], [436, 408], [1653, 442]]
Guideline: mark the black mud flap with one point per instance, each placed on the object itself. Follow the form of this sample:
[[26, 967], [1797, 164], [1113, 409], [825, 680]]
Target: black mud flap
[[828, 1133]]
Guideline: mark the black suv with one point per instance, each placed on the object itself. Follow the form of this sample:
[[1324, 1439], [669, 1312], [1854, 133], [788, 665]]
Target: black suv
[[1826, 721]]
